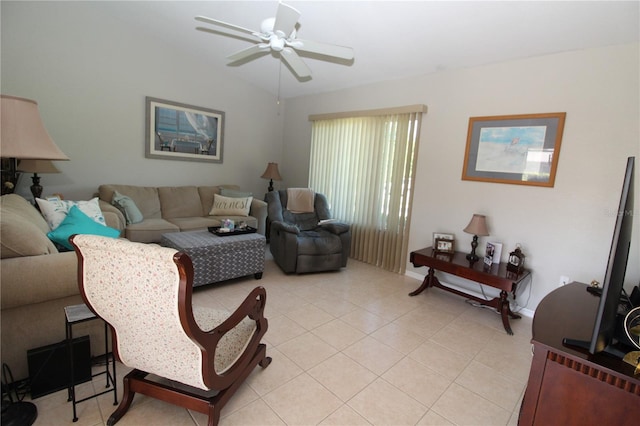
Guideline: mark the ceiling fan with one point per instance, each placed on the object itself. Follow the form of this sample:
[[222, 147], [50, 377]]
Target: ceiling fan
[[279, 35]]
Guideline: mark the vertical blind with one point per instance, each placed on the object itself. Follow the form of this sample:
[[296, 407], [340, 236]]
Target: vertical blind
[[365, 165]]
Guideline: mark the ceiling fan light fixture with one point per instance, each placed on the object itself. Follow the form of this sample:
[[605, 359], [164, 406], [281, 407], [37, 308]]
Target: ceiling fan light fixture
[[277, 43]]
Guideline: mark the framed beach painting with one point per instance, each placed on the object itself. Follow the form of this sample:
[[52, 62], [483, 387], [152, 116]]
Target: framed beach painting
[[516, 149], [176, 131]]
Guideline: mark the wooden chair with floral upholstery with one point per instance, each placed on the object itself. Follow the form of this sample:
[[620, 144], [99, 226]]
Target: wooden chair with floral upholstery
[[144, 292]]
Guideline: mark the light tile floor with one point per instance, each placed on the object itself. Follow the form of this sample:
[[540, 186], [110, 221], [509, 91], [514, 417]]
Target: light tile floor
[[351, 348]]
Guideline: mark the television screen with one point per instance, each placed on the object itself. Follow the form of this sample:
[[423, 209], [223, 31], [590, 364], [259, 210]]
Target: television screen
[[607, 322]]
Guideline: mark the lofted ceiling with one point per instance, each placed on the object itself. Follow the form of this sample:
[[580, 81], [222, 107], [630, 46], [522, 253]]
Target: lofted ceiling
[[391, 39]]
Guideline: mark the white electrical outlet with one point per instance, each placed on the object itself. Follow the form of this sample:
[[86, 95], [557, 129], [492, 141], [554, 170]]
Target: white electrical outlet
[[564, 280]]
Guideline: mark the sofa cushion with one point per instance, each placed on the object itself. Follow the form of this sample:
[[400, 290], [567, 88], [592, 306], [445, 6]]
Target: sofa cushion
[[304, 221], [77, 222], [180, 201], [193, 223], [131, 212], [55, 211], [233, 193], [21, 237], [228, 206], [17, 204], [149, 230], [145, 197]]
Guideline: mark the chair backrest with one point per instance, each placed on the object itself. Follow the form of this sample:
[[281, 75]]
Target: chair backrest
[[277, 201], [144, 292]]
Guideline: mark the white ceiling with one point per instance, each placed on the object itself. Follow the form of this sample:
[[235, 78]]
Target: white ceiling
[[391, 39]]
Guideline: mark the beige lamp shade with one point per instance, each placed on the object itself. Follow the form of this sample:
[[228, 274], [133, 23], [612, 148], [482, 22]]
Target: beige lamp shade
[[22, 133], [271, 172], [477, 226], [37, 166]]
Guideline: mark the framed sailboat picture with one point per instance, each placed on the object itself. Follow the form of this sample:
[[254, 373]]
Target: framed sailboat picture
[[176, 131]]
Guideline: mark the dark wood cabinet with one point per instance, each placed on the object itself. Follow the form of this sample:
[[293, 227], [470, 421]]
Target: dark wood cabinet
[[572, 387]]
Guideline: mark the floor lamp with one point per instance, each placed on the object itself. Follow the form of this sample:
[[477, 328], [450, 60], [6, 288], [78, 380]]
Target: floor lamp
[[22, 137]]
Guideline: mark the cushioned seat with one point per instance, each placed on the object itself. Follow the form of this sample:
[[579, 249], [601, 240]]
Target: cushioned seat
[[300, 242]]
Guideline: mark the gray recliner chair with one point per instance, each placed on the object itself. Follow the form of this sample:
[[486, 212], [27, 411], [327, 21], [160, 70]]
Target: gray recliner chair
[[299, 243]]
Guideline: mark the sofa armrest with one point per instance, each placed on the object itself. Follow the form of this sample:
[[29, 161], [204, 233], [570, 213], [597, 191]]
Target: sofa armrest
[[35, 279], [259, 211], [112, 216], [285, 227]]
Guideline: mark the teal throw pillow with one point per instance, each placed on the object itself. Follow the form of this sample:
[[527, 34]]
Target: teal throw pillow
[[234, 194], [77, 222], [131, 211]]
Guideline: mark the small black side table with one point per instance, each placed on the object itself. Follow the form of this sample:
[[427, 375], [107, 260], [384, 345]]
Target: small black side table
[[76, 314]]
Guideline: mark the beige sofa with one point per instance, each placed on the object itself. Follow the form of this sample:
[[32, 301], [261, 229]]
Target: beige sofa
[[37, 282], [178, 208]]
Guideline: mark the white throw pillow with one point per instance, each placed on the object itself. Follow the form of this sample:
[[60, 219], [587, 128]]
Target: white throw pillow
[[228, 206], [56, 211]]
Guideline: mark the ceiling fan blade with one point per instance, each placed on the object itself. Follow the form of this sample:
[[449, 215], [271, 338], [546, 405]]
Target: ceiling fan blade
[[295, 62], [224, 24], [333, 50], [250, 51], [286, 19], [229, 34]]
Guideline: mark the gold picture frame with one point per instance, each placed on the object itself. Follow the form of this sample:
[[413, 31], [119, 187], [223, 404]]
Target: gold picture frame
[[514, 149]]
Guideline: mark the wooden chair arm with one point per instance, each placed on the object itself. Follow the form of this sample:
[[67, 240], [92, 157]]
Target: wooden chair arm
[[252, 307]]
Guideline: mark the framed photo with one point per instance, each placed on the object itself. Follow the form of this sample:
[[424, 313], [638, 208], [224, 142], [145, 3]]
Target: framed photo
[[516, 149], [176, 131], [444, 245], [441, 235]]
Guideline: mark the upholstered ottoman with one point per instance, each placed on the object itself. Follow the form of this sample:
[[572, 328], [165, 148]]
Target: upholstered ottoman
[[217, 258]]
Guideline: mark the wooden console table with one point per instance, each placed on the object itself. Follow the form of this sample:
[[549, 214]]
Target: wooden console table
[[457, 264], [569, 386]]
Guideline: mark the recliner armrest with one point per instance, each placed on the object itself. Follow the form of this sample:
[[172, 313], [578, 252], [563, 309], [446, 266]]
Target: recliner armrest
[[286, 227], [336, 227]]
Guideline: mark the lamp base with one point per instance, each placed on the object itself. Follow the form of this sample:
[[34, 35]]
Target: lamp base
[[36, 188], [472, 257]]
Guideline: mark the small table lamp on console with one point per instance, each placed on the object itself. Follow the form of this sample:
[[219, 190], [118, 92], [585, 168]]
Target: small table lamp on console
[[272, 174], [477, 227], [35, 167]]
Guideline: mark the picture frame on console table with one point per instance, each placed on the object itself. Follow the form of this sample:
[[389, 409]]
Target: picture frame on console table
[[176, 131], [514, 149]]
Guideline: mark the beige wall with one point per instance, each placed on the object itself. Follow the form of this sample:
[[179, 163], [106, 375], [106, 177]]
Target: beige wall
[[90, 75], [565, 230]]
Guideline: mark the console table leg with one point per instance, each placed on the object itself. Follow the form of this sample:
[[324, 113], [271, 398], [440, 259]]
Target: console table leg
[[426, 283], [506, 312]]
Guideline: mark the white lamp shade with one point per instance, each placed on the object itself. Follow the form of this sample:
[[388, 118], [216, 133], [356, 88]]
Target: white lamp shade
[[22, 133]]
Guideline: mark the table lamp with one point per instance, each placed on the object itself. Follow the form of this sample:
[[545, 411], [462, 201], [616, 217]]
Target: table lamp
[[22, 137], [35, 167], [272, 174], [477, 227]]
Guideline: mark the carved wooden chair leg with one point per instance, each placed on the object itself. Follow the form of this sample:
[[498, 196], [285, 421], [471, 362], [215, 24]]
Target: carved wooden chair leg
[[127, 397], [214, 415]]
